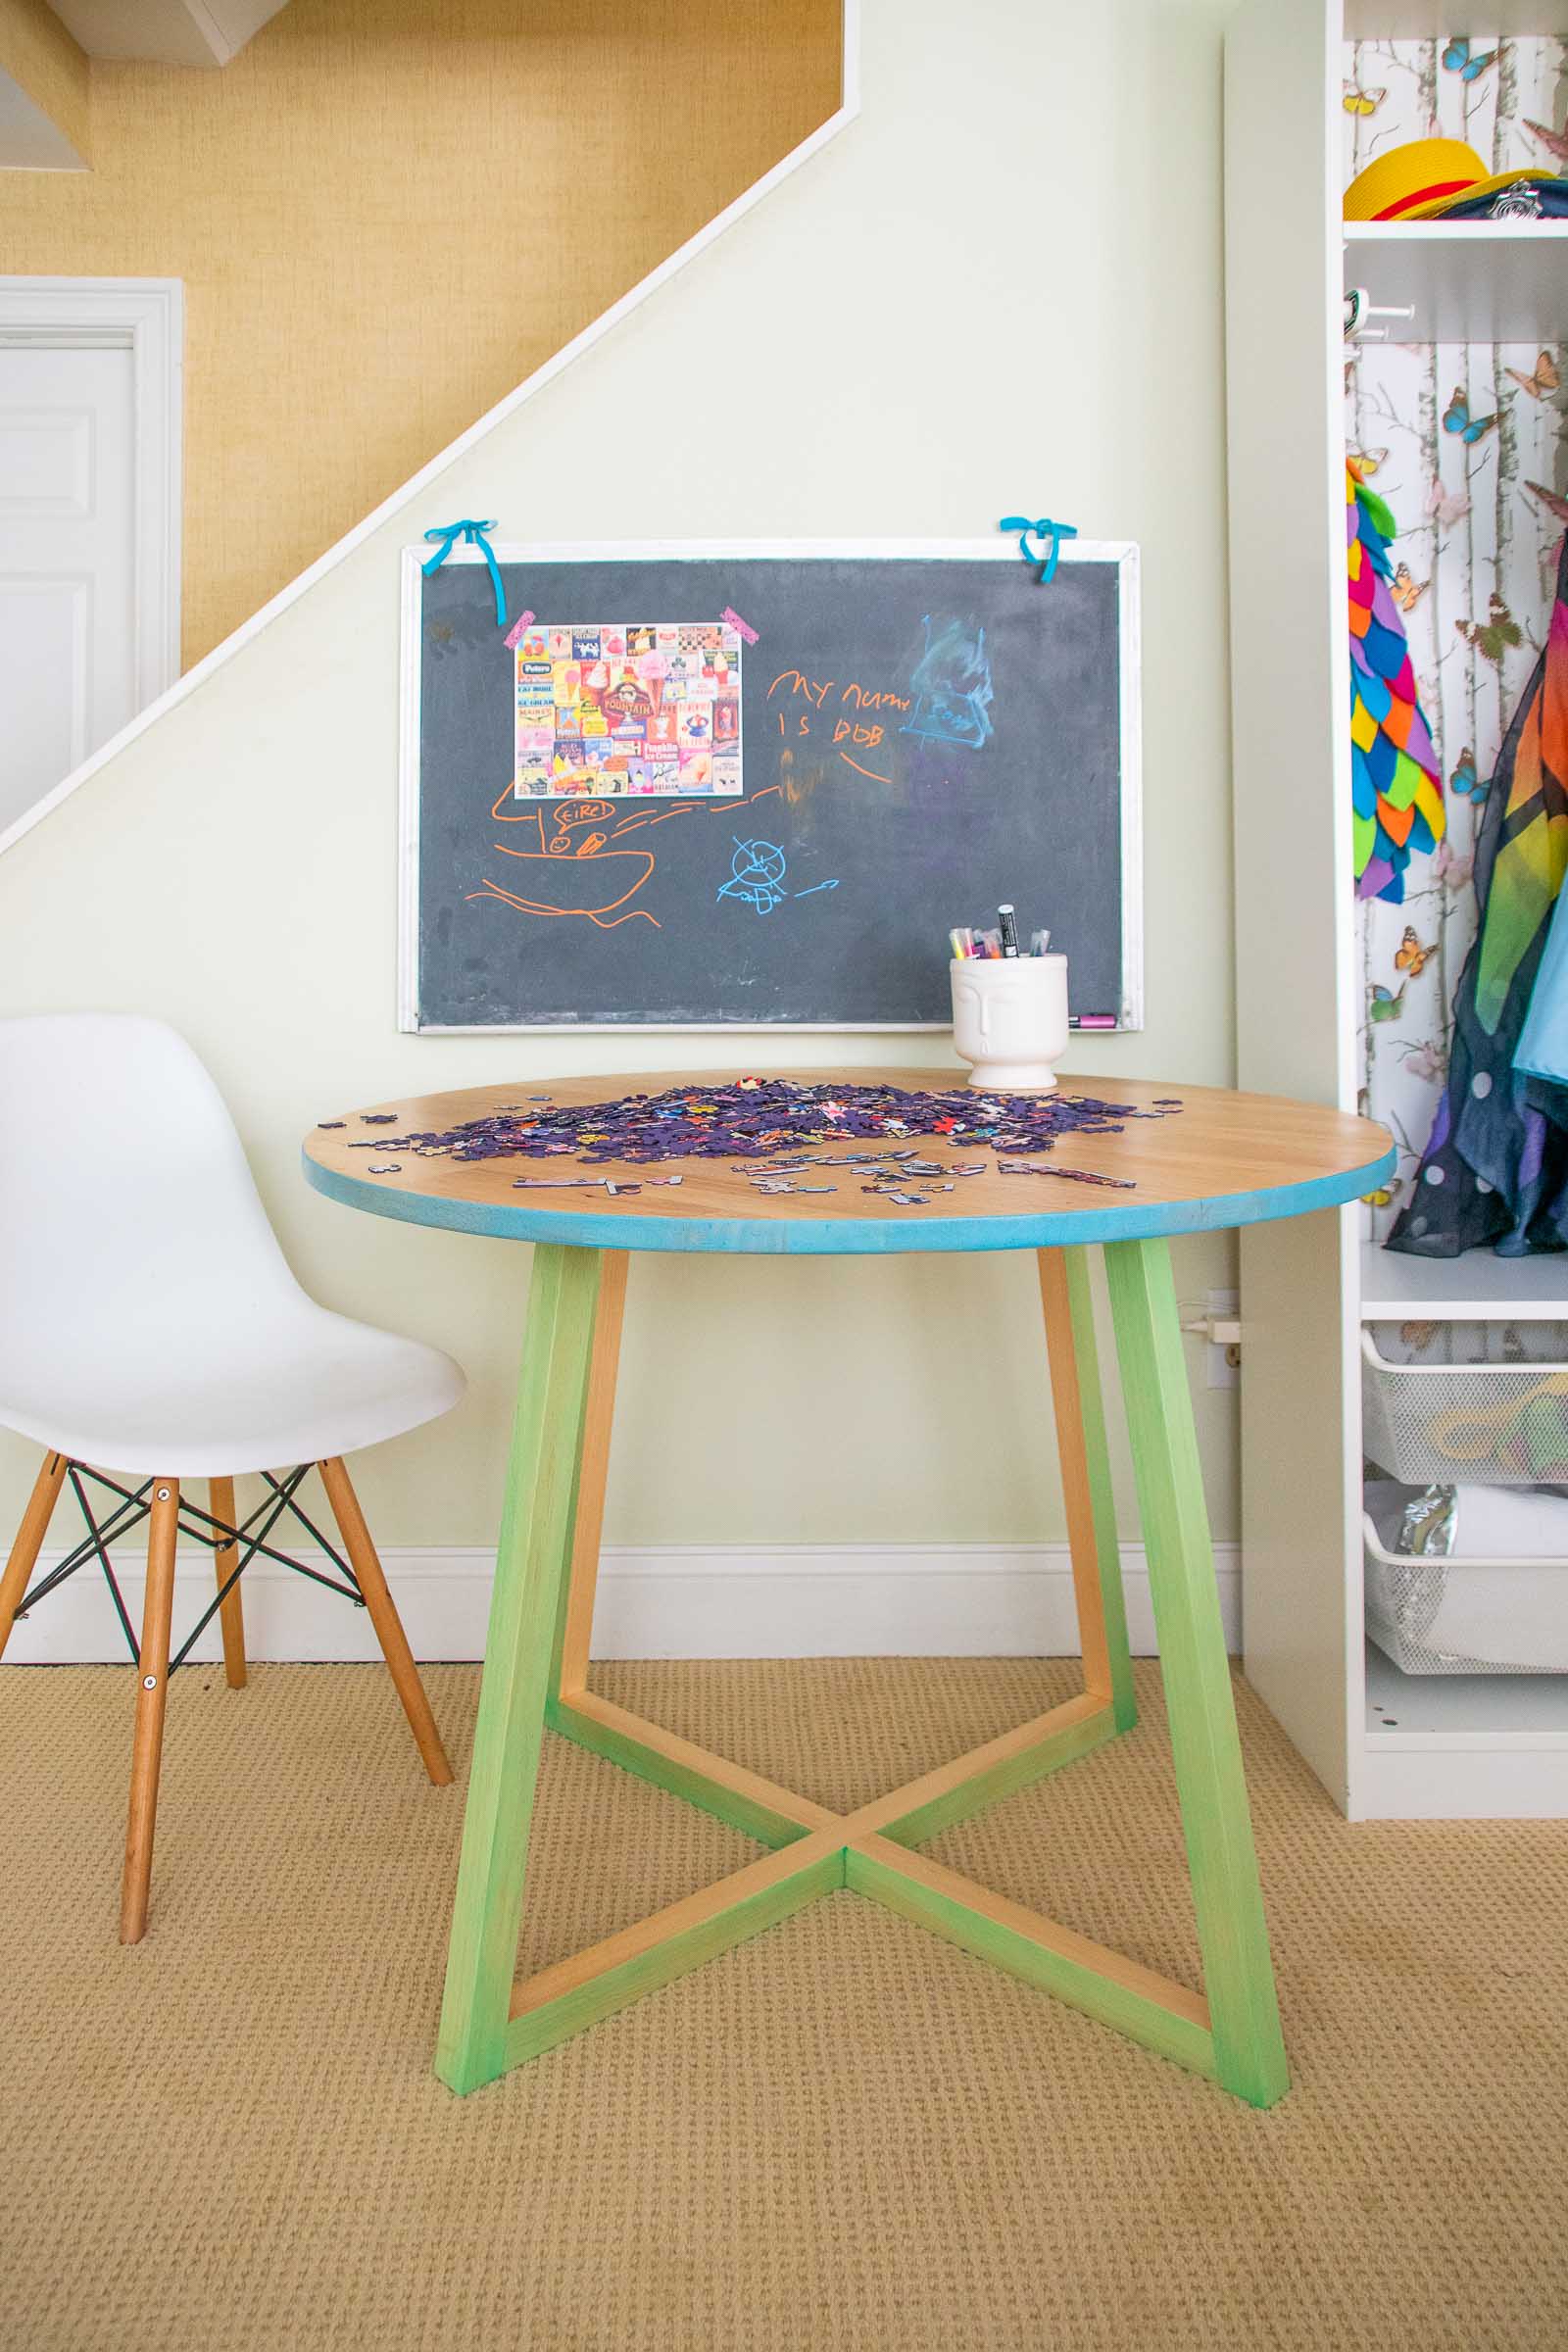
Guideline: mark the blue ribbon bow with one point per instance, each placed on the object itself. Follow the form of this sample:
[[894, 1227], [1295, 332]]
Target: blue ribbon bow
[[449, 533], [1056, 532]]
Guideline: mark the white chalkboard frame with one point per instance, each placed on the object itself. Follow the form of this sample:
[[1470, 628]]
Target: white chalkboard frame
[[1122, 552]]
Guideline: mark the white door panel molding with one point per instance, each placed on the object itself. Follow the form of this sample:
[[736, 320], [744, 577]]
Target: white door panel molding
[[90, 479]]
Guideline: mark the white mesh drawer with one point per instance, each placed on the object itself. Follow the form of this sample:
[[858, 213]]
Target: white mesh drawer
[[1499, 1424], [1459, 1616]]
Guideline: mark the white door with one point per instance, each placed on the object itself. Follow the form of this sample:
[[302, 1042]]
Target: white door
[[68, 559]]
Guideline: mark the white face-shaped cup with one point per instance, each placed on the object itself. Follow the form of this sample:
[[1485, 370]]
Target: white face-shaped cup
[[1009, 1019]]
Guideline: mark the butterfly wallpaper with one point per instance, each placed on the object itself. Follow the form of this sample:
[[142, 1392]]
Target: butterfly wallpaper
[[1467, 444]]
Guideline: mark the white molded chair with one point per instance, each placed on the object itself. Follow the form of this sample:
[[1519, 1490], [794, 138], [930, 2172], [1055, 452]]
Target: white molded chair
[[150, 1327]]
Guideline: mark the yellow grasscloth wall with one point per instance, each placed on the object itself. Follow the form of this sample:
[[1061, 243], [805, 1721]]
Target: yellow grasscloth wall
[[997, 291], [387, 213]]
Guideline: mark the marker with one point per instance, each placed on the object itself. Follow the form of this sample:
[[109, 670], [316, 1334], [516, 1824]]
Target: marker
[[1092, 1020], [1009, 930], [1039, 941], [959, 951]]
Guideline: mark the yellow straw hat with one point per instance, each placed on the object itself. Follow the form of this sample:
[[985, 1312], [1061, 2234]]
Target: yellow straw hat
[[1414, 181]]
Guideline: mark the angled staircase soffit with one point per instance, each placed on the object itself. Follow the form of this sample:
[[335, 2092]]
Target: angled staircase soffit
[[165, 32]]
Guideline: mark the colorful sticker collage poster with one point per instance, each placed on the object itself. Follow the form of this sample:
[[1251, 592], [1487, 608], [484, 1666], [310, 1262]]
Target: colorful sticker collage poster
[[647, 708]]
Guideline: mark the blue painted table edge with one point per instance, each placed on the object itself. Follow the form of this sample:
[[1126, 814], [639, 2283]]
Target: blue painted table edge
[[851, 1237]]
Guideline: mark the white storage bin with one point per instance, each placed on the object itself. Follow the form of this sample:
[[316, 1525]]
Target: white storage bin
[[1458, 1616], [1499, 1424]]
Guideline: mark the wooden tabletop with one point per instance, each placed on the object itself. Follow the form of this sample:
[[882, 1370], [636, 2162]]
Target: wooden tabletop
[[1222, 1159]]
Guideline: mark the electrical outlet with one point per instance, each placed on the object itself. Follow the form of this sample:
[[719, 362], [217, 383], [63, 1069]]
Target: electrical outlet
[[1222, 1360], [1215, 1323]]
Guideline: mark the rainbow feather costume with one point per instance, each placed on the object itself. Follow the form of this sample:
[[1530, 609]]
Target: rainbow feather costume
[[1496, 1166], [1395, 784]]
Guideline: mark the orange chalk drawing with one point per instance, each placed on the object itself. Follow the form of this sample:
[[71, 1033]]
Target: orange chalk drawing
[[571, 871], [797, 686], [576, 868], [795, 681]]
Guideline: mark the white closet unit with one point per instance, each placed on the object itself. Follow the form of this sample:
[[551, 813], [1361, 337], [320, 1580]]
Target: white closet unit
[[1384, 1745]]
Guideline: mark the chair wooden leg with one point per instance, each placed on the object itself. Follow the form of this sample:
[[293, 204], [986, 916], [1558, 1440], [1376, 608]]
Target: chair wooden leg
[[147, 1746], [29, 1541], [225, 1559], [384, 1617]]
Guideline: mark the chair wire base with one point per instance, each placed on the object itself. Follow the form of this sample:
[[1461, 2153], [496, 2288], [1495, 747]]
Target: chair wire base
[[134, 1508], [234, 1542]]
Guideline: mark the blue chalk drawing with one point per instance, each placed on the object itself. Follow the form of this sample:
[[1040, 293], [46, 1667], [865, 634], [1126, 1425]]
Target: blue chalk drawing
[[756, 872], [756, 876], [952, 691]]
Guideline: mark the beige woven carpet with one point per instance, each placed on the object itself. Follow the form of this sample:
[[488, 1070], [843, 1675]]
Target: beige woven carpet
[[844, 2134]]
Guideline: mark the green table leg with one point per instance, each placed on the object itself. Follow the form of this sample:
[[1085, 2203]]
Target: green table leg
[[531, 1563], [1238, 1977], [1087, 1492]]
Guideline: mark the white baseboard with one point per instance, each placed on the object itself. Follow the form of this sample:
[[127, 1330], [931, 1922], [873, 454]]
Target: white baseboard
[[742, 1600]]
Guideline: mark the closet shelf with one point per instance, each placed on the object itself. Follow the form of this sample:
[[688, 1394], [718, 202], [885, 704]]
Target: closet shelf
[[1462, 1748], [1434, 19], [1471, 281], [1480, 1287], [1464, 1710]]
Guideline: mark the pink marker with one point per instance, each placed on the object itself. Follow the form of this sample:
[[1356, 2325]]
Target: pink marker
[[1093, 1020], [515, 634]]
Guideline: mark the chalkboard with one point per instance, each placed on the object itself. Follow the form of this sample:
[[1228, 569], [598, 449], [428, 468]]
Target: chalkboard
[[720, 785]]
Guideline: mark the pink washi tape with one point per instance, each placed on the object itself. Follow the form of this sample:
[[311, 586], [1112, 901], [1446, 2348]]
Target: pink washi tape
[[733, 620], [515, 634]]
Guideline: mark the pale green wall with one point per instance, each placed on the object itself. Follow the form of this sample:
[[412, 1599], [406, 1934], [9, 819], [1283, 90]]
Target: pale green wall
[[999, 290]]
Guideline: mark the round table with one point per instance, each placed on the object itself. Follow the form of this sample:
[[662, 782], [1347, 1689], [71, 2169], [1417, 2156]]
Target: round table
[[1222, 1159]]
